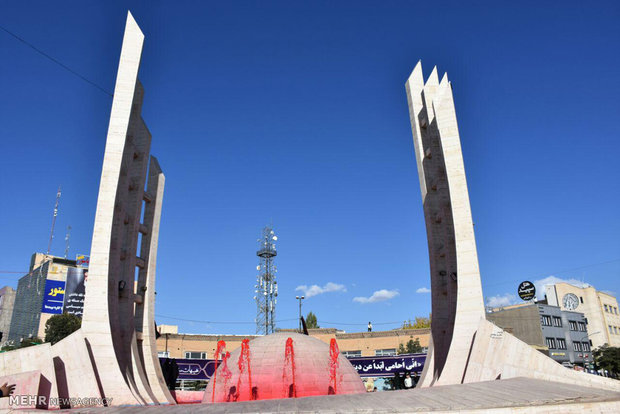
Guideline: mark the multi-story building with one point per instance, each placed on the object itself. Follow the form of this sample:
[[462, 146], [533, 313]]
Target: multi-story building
[[600, 309], [377, 343], [28, 320], [563, 335], [7, 300]]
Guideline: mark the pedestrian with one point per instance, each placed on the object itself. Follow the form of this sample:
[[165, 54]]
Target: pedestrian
[[369, 327], [408, 381]]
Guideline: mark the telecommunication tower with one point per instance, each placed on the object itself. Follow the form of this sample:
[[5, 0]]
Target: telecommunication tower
[[266, 287]]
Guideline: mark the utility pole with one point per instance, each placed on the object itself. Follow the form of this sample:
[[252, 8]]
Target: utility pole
[[300, 298], [49, 245]]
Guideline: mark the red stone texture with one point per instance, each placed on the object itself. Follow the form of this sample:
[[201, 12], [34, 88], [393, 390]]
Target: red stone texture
[[272, 375]]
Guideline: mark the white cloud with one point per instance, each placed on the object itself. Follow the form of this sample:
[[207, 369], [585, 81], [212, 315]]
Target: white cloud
[[550, 280], [501, 300], [377, 296], [423, 290], [314, 290]]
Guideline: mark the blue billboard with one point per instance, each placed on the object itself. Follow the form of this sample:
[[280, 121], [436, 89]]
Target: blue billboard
[[53, 296]]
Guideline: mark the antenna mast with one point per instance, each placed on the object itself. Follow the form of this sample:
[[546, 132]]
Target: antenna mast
[[49, 245], [67, 237], [266, 287]]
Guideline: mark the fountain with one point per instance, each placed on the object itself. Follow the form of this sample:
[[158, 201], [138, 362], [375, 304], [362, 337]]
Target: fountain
[[283, 365]]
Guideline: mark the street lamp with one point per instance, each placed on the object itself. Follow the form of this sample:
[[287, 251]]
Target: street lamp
[[300, 298], [586, 337]]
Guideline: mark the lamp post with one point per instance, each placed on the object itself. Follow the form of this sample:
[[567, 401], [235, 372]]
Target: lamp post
[[300, 298], [586, 337]]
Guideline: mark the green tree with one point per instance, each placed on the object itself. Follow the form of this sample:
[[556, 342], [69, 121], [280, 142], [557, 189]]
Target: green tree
[[412, 347], [419, 323], [607, 357], [311, 321], [59, 327]]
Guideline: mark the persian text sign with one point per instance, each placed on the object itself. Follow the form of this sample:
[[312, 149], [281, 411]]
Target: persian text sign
[[75, 290], [53, 296], [195, 369], [202, 369], [389, 365]]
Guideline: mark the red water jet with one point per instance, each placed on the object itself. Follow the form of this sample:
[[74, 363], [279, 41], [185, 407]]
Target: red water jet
[[244, 363], [334, 353], [221, 346], [289, 361]]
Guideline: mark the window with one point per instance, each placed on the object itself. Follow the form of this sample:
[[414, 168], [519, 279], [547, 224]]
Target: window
[[385, 352], [615, 331], [350, 354], [610, 330], [557, 321], [561, 343], [545, 320], [585, 346], [581, 299], [577, 346], [163, 354], [616, 310], [195, 355], [573, 325], [606, 309], [550, 342], [582, 326]]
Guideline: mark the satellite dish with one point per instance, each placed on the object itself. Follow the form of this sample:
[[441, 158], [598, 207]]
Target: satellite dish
[[275, 237], [258, 267], [271, 231]]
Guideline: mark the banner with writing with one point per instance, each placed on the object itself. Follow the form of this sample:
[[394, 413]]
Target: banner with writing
[[53, 296], [202, 369], [195, 369], [387, 366], [75, 290]]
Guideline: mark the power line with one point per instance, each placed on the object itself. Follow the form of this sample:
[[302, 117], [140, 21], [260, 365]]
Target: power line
[[219, 322], [556, 272], [359, 324], [59, 63]]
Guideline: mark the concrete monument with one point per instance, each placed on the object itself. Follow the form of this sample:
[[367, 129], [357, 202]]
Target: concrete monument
[[113, 356], [465, 347]]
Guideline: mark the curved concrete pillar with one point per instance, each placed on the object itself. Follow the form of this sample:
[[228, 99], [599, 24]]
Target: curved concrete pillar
[[145, 308], [108, 322], [457, 303]]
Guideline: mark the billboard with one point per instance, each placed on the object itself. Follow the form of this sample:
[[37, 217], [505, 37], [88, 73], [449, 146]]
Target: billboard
[[53, 296], [387, 366], [82, 260], [74, 290]]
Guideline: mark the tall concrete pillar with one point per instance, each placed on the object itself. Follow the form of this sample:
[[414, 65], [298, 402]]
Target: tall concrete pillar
[[108, 322], [457, 302]]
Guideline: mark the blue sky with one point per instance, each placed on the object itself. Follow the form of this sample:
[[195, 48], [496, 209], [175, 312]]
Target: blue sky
[[296, 112]]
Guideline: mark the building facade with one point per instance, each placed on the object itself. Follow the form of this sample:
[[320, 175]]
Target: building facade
[[563, 335], [7, 300], [600, 309], [27, 320], [378, 343]]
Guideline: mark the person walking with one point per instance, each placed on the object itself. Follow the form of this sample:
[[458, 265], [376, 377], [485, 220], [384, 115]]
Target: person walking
[[408, 381], [369, 327]]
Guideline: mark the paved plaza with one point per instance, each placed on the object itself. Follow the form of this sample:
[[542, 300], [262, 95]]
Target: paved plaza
[[522, 395]]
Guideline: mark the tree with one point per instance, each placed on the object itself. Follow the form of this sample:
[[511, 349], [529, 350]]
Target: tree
[[59, 327], [311, 321], [607, 357], [412, 347], [419, 323]]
